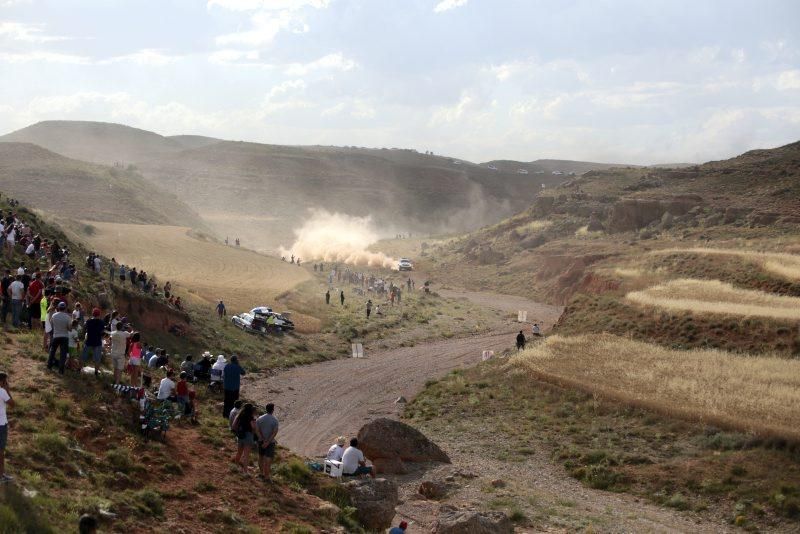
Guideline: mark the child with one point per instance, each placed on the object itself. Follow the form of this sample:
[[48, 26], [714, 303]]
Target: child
[[194, 405], [73, 343]]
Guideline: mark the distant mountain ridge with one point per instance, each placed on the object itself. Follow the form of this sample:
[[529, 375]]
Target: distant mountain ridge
[[231, 185]]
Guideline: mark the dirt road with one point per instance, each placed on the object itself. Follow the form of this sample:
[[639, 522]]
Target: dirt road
[[318, 402]]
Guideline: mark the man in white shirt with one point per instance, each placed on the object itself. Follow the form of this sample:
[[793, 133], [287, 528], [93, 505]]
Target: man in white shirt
[[166, 389], [118, 344], [353, 462], [16, 291], [337, 450], [5, 400], [61, 322], [536, 331]]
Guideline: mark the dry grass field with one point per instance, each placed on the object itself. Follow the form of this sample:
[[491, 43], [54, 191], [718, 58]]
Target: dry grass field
[[207, 269], [714, 296], [754, 394], [785, 265]]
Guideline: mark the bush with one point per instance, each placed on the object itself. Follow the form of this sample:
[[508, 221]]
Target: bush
[[51, 445], [295, 471], [149, 501], [120, 460]]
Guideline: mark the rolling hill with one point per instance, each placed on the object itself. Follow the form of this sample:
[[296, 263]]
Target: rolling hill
[[75, 189], [261, 192]]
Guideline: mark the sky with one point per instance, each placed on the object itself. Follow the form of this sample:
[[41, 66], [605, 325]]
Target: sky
[[613, 81]]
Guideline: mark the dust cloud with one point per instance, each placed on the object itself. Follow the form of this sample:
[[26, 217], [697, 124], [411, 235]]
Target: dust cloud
[[337, 237]]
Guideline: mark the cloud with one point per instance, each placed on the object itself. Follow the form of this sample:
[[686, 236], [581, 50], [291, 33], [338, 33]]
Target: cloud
[[269, 18], [280, 98], [274, 5], [445, 114], [241, 57], [335, 61], [356, 108], [788, 80], [27, 33], [447, 5], [146, 56], [47, 57]]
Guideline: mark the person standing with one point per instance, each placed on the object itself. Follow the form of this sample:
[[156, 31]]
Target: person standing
[[520, 341], [61, 322], [16, 291], [221, 309], [231, 382], [34, 297], [267, 430], [341, 296], [119, 344], [369, 307], [94, 339], [327, 299], [5, 402], [112, 270], [6, 281]]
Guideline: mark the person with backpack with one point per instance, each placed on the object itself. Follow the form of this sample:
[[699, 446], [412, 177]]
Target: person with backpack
[[520, 341]]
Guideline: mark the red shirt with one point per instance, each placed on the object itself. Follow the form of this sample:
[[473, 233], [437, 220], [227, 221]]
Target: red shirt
[[35, 289], [183, 388]]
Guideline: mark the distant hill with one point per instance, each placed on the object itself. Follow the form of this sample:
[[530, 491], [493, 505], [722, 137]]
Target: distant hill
[[75, 189], [263, 192]]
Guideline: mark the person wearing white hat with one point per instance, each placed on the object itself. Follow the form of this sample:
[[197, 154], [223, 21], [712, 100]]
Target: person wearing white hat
[[217, 368]]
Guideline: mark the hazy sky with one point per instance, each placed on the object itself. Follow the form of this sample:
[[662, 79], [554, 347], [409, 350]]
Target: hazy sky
[[619, 81]]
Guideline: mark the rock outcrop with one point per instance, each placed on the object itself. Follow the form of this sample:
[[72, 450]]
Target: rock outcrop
[[374, 501], [454, 521], [635, 213], [390, 444]]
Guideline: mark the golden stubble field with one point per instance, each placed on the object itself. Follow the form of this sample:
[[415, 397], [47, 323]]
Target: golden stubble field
[[208, 270], [751, 393]]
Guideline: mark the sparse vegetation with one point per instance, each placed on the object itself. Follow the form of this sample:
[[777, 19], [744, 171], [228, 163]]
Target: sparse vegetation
[[753, 394], [714, 296]]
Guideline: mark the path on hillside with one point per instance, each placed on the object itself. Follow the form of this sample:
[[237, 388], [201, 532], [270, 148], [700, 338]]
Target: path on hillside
[[318, 402]]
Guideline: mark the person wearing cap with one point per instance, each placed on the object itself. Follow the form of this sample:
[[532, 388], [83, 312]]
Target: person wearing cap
[[231, 383], [61, 322], [400, 529], [337, 450]]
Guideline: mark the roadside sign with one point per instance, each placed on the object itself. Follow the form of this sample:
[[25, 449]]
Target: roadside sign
[[487, 355], [358, 350], [522, 316]]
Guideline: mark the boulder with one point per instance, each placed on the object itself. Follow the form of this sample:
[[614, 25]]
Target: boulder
[[389, 444], [433, 490], [595, 224], [765, 218], [374, 501], [452, 521]]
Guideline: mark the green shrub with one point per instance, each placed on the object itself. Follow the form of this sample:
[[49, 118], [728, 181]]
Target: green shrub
[[120, 460], [51, 445], [294, 471], [149, 502]]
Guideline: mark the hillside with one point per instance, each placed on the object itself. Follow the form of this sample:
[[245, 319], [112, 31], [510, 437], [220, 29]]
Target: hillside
[[589, 242], [75, 189], [99, 142], [547, 167], [261, 193]]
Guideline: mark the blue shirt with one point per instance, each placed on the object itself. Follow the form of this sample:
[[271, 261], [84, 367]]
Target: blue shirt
[[397, 530], [231, 376]]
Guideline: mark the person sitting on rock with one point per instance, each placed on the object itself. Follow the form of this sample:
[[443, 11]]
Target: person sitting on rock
[[353, 462], [337, 450]]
